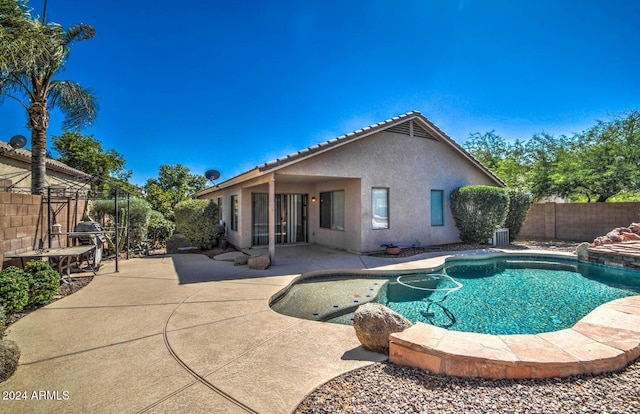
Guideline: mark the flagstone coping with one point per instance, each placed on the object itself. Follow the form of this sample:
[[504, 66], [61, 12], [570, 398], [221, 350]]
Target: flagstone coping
[[607, 339]]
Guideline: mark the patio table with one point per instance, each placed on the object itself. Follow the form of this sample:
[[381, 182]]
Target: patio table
[[64, 258]]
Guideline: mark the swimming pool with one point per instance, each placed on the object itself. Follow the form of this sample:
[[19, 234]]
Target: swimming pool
[[499, 295]]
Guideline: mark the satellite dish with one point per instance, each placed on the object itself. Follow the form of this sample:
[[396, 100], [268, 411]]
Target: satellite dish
[[17, 141], [212, 175]]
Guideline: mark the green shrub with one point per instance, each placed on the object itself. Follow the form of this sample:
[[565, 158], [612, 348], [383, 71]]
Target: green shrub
[[43, 283], [197, 221], [3, 322], [9, 356], [478, 210], [139, 212], [159, 229], [519, 203], [14, 290]]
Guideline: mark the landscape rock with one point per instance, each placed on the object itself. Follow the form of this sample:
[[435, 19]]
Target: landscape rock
[[374, 323], [620, 234], [9, 356], [583, 252], [259, 262]]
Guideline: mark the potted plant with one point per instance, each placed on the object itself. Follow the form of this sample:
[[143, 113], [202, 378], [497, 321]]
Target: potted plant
[[392, 249]]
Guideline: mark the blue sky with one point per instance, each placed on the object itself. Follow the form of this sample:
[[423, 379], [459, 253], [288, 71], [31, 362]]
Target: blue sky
[[230, 85]]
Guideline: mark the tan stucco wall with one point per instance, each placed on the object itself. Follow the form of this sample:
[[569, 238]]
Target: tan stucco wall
[[349, 239], [410, 167], [19, 173]]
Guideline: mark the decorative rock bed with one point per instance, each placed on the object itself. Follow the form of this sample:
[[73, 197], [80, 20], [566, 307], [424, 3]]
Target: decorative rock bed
[[620, 248]]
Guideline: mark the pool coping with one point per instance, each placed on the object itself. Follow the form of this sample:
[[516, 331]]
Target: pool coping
[[605, 340]]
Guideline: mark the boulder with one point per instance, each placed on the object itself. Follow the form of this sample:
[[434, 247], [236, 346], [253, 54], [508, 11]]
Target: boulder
[[374, 323], [583, 252], [259, 262], [620, 234]]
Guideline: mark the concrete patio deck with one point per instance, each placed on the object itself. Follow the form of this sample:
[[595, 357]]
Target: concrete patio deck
[[181, 333], [188, 334]]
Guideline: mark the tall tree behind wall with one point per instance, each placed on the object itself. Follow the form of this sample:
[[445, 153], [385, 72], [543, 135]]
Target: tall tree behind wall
[[46, 47]]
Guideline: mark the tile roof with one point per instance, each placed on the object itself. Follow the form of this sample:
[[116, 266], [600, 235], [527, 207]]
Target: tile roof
[[323, 146], [352, 136], [25, 155]]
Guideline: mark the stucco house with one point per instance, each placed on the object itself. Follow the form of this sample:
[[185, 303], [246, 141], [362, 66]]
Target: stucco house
[[15, 172], [388, 182]]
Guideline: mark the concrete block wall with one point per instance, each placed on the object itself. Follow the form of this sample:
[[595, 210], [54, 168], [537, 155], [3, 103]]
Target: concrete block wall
[[23, 223], [577, 221], [20, 216]]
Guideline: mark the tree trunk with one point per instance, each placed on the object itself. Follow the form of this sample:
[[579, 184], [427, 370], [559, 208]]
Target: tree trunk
[[38, 122]]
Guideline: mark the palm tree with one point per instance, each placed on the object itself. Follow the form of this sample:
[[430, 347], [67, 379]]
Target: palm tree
[[32, 55], [22, 45]]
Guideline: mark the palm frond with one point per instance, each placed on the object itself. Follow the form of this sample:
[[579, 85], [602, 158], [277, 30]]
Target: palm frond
[[26, 44], [79, 105], [79, 32]]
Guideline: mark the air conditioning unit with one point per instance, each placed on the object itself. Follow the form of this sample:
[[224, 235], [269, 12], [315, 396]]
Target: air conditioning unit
[[500, 237]]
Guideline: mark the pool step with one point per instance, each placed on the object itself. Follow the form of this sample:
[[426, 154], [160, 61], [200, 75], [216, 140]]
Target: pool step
[[542, 265], [325, 300]]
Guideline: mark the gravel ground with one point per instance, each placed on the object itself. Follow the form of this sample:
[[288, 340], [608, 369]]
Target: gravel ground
[[388, 388]]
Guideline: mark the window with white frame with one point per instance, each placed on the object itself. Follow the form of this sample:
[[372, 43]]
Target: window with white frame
[[379, 208], [437, 207]]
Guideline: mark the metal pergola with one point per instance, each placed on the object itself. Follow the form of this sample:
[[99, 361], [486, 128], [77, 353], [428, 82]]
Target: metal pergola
[[67, 193]]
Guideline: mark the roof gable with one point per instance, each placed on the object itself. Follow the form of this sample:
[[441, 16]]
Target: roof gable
[[413, 129], [412, 123], [397, 122]]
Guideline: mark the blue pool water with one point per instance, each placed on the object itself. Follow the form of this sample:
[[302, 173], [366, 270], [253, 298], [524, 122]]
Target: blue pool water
[[515, 295], [504, 295]]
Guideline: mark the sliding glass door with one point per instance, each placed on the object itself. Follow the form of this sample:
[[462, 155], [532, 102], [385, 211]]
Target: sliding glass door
[[291, 218]]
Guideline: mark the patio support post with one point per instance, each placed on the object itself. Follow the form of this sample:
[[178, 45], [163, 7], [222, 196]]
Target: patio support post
[[272, 219], [117, 220]]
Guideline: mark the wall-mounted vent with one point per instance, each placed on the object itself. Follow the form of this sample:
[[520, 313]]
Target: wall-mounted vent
[[418, 131], [403, 128]]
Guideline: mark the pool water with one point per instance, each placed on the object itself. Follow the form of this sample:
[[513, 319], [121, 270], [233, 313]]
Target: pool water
[[517, 296], [504, 295]]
